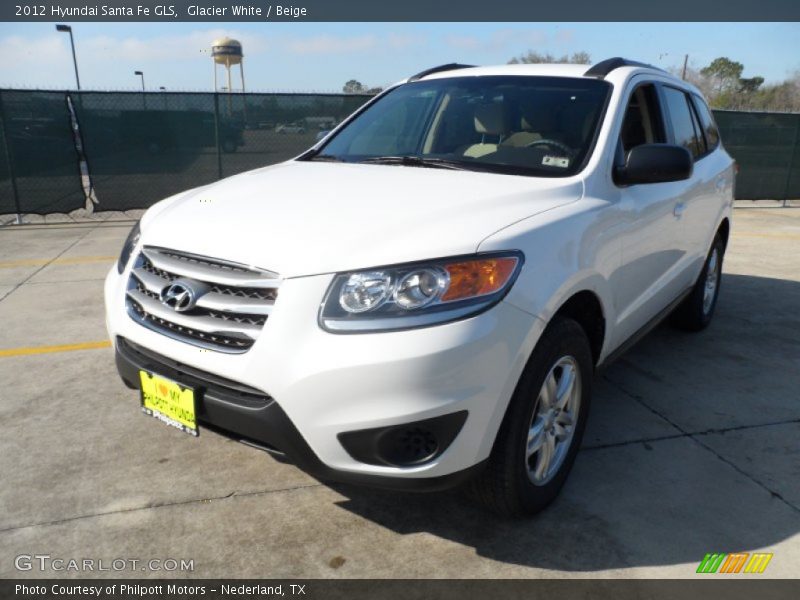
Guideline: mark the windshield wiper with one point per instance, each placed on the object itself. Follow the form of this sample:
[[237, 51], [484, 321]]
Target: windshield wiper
[[415, 161], [325, 157]]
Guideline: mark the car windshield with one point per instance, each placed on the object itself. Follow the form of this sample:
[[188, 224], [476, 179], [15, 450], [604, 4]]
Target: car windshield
[[540, 126]]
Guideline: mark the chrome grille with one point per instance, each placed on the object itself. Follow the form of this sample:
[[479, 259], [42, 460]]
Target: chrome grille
[[227, 315]]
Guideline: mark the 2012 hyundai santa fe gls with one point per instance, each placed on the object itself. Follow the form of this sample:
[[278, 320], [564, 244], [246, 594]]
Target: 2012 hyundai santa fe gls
[[423, 297]]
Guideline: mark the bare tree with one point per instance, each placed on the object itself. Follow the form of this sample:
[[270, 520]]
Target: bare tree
[[535, 57], [353, 87], [694, 76]]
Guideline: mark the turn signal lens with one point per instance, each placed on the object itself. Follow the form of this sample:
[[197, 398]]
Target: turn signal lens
[[472, 278]]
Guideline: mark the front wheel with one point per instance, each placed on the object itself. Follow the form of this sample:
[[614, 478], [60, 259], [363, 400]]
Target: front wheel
[[543, 426], [696, 312]]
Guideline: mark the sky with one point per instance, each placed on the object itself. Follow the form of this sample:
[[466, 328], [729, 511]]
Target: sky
[[323, 56]]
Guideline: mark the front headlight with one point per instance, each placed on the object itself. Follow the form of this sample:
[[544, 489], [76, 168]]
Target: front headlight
[[417, 294], [127, 248]]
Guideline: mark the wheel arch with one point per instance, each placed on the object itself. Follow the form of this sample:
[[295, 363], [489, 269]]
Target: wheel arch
[[724, 231], [586, 309]]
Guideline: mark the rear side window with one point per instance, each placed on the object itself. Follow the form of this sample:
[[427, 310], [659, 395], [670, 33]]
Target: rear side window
[[708, 123], [698, 131], [684, 129]]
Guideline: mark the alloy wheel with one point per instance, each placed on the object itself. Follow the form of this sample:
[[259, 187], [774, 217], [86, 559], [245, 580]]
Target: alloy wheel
[[712, 281], [554, 419]]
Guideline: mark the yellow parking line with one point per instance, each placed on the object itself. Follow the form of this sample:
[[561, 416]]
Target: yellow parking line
[[33, 262], [773, 235], [48, 349]]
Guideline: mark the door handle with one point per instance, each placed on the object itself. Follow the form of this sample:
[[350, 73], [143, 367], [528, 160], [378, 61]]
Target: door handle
[[678, 210], [721, 184]]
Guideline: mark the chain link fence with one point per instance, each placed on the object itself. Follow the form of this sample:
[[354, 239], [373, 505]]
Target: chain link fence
[[60, 151]]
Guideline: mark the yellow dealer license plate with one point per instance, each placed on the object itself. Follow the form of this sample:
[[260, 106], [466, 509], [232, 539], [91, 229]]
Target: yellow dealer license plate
[[168, 402]]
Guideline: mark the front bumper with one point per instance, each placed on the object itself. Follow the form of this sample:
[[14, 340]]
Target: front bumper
[[254, 417], [304, 389]]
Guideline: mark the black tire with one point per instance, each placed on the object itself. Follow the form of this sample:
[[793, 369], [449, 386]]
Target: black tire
[[694, 314], [505, 486]]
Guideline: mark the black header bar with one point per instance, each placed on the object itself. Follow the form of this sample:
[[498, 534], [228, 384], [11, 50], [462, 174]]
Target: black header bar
[[399, 11], [707, 587]]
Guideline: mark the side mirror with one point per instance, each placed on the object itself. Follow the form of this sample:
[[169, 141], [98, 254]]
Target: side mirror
[[655, 163]]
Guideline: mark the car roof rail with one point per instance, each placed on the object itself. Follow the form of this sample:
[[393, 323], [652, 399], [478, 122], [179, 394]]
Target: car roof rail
[[439, 69], [604, 67]]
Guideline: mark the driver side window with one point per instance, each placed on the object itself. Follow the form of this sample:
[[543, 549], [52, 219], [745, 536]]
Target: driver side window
[[642, 123]]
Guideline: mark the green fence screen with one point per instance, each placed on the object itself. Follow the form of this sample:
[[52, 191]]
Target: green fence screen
[[130, 149], [124, 150], [766, 147], [39, 164]]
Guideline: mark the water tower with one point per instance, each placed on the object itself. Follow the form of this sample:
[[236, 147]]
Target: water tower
[[227, 52]]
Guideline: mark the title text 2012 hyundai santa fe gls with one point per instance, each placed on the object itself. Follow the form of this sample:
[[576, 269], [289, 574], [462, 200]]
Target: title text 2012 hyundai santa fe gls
[[423, 297]]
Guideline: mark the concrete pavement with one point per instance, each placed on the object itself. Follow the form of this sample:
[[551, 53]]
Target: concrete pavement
[[693, 446]]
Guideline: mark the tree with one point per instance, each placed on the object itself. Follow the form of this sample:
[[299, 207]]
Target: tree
[[534, 57], [783, 96], [353, 87], [724, 74], [580, 58], [693, 76], [748, 86], [743, 93]]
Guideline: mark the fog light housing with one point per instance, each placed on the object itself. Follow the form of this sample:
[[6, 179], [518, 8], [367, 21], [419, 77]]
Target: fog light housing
[[406, 445]]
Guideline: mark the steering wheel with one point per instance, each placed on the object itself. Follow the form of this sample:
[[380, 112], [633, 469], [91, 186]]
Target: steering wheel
[[553, 144]]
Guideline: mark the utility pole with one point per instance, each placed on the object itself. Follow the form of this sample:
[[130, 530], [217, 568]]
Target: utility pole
[[685, 62]]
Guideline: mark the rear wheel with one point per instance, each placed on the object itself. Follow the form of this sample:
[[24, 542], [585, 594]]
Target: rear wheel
[[543, 426], [696, 312]]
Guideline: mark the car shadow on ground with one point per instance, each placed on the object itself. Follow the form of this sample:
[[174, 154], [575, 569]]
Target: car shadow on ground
[[686, 463]]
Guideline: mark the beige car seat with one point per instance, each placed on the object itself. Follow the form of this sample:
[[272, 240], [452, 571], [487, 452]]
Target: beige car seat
[[536, 123], [491, 120]]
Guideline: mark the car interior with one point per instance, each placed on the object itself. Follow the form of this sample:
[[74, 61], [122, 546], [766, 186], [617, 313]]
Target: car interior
[[543, 128], [642, 122]]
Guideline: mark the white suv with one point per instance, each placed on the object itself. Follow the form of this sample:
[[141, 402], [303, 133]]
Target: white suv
[[424, 296]]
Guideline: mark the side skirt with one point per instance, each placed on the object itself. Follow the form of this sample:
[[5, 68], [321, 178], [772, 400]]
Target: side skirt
[[643, 331]]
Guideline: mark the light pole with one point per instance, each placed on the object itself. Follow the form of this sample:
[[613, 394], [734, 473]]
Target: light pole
[[68, 29], [144, 95]]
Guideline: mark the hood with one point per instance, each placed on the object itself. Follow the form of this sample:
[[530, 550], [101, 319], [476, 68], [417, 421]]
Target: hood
[[305, 218]]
